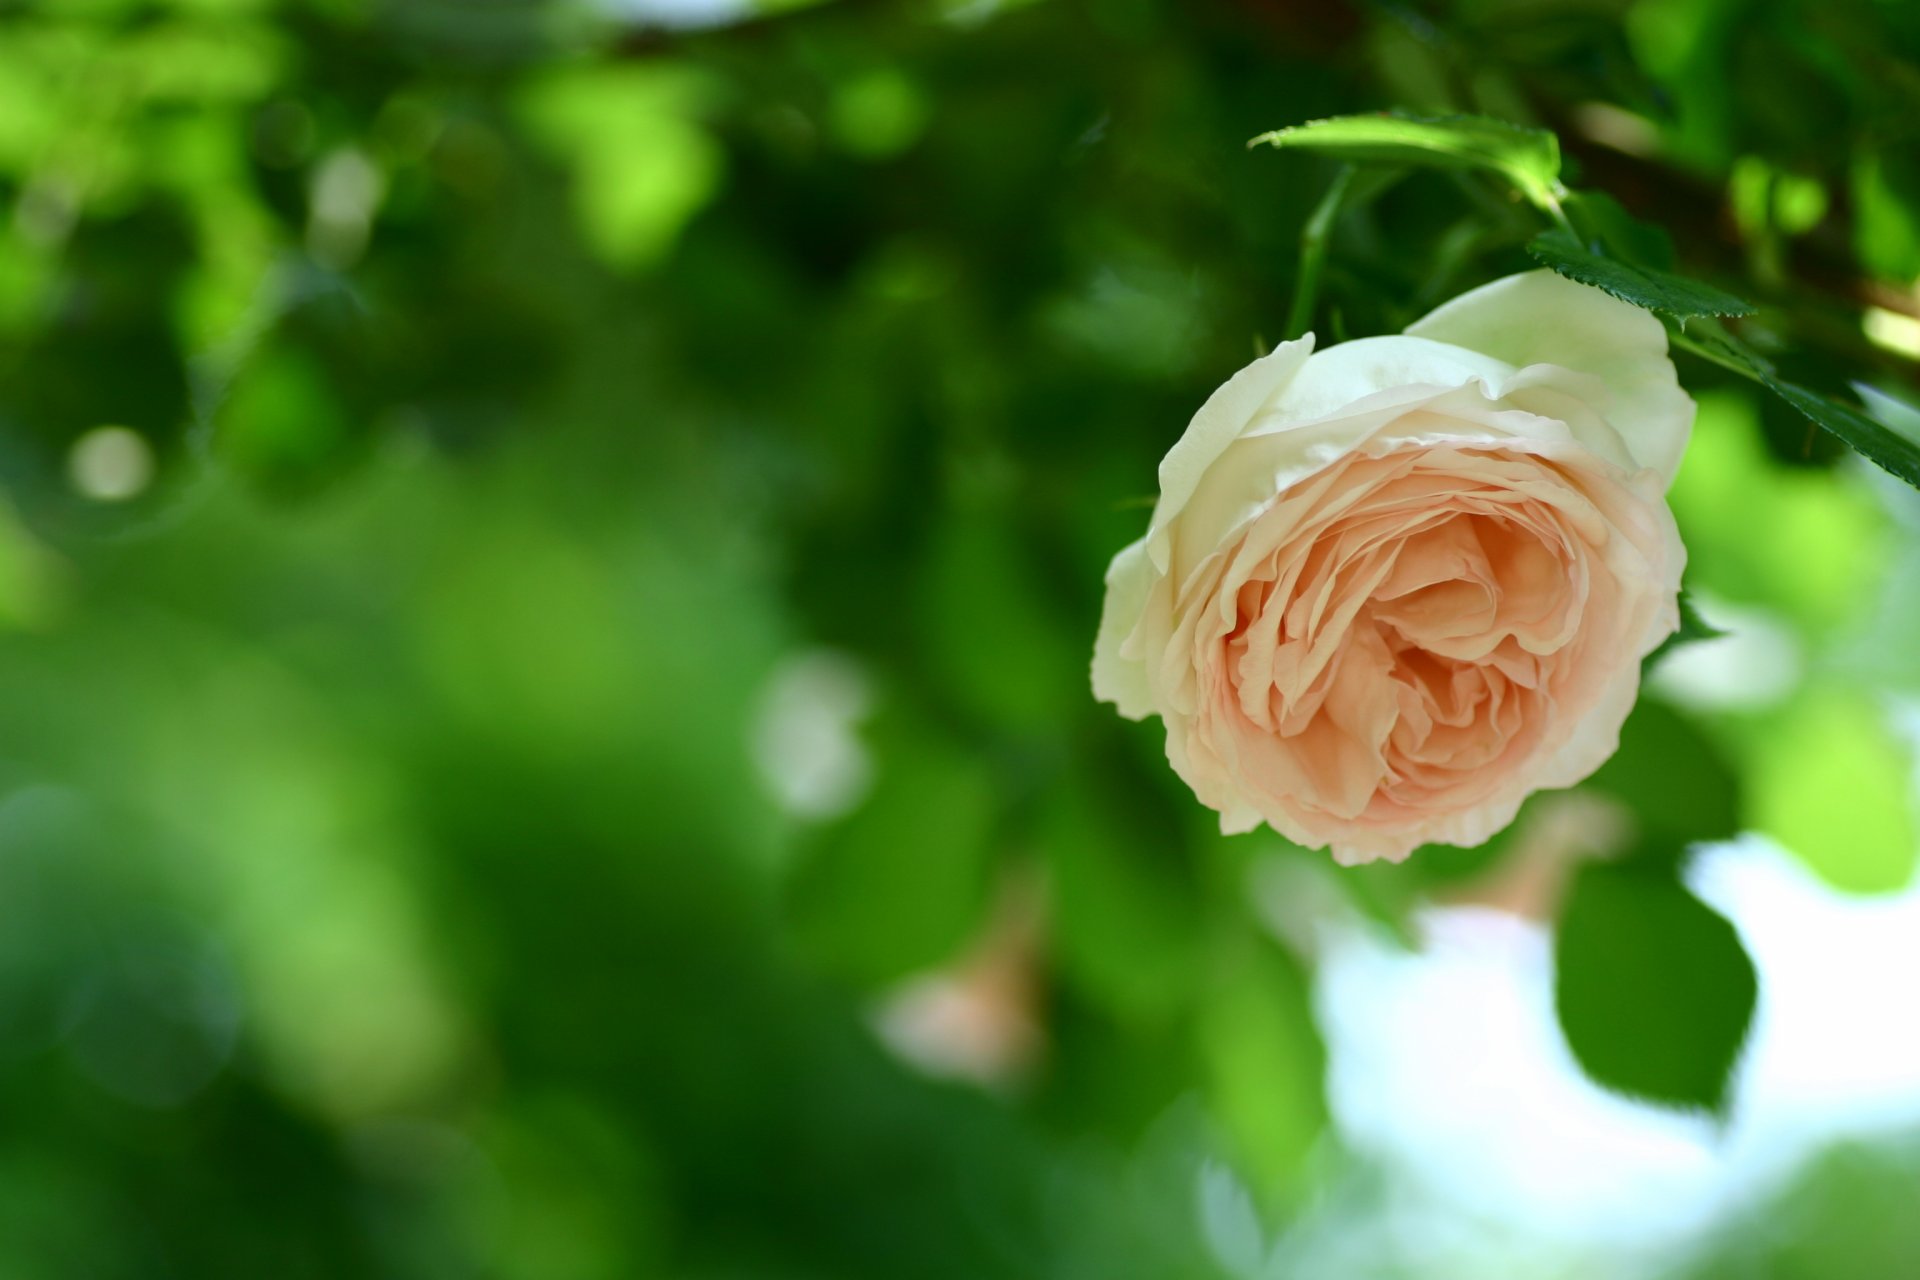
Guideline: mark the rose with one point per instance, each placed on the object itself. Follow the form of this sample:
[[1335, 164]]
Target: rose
[[1392, 588]]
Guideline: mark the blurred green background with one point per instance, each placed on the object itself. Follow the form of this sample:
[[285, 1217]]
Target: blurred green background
[[548, 564]]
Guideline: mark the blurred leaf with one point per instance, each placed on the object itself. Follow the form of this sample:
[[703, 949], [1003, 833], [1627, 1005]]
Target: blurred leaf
[[521, 630], [282, 424], [1264, 1059], [1529, 158], [992, 632], [1642, 286], [642, 162], [1159, 1228], [878, 114], [1766, 200], [1672, 776], [1832, 783], [568, 1193], [1886, 213], [900, 885], [54, 870], [1847, 1211], [1598, 216], [1819, 551], [1126, 925], [1653, 988], [1693, 629]]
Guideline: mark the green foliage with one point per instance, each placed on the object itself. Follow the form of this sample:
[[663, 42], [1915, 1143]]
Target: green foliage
[[1674, 779], [1262, 1059], [1887, 447], [1847, 1213], [1642, 286], [1653, 988], [642, 164], [1885, 186], [1880, 444], [1816, 557], [1528, 158], [921, 843], [1598, 217], [1127, 918]]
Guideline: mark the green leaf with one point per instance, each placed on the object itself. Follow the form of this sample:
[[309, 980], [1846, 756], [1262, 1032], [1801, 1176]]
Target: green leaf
[[1654, 991], [1878, 443], [1886, 204], [1889, 448], [1126, 921], [1529, 158], [1264, 1062], [1598, 216], [1672, 776], [1693, 629], [900, 885], [976, 574], [1642, 286]]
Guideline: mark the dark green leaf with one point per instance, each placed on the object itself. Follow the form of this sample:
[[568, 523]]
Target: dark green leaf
[[1672, 776], [1887, 447], [1642, 286], [1126, 922], [1875, 441], [1654, 991], [1529, 158], [1598, 216]]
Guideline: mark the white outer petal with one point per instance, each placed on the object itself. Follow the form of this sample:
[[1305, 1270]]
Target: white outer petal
[[1119, 677], [1227, 413], [1544, 318], [1335, 379]]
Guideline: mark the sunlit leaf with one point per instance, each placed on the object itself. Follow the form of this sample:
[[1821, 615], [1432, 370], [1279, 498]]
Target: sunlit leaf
[[642, 164], [1529, 158]]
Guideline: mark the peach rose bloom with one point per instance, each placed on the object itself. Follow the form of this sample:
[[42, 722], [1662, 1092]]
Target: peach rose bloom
[[1392, 588]]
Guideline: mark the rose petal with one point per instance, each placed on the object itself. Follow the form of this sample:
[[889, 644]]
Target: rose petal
[[1543, 318]]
